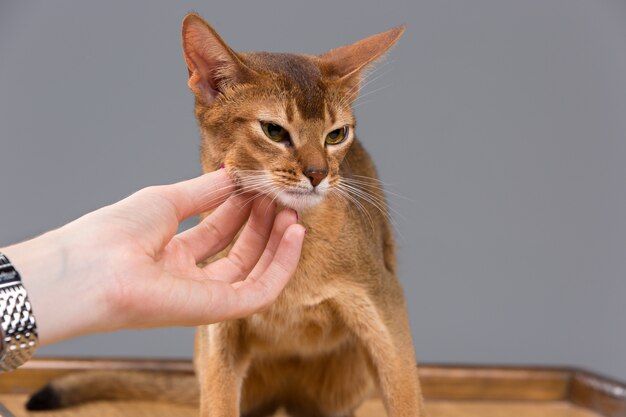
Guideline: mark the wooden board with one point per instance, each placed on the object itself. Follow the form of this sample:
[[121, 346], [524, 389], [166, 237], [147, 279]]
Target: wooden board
[[460, 391], [372, 408]]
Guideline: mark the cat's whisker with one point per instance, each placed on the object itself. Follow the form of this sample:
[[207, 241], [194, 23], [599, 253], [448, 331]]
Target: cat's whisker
[[257, 191], [361, 208], [255, 177], [374, 182], [252, 170], [254, 185], [249, 188], [376, 187], [255, 181], [357, 195], [359, 188], [345, 195], [249, 181], [364, 183], [378, 201], [373, 179], [370, 179], [217, 191], [248, 184], [276, 194], [269, 194], [390, 219], [250, 200]]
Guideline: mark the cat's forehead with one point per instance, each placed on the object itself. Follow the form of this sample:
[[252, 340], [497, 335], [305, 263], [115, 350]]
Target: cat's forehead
[[297, 75]]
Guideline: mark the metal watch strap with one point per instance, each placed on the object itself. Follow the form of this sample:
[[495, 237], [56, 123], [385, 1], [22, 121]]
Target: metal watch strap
[[19, 331]]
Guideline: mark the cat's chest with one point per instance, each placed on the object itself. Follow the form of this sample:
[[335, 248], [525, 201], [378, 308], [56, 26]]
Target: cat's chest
[[303, 321], [296, 330]]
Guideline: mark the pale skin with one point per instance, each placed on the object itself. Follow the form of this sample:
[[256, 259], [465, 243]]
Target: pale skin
[[124, 266]]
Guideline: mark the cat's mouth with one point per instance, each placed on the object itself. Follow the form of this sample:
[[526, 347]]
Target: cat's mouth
[[300, 199], [301, 192]]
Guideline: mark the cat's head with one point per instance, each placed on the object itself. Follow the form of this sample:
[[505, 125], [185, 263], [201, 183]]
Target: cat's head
[[281, 123]]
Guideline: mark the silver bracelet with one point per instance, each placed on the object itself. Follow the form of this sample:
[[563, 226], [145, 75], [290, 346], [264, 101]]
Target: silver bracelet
[[18, 329]]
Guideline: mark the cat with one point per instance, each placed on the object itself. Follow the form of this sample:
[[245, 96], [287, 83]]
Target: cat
[[282, 125]]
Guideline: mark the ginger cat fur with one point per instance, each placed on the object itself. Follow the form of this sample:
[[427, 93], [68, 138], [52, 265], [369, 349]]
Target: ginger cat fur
[[340, 329]]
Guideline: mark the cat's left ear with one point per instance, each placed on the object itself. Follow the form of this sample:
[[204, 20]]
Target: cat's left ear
[[345, 64], [212, 65]]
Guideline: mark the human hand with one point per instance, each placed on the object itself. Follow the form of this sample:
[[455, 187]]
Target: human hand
[[123, 266]]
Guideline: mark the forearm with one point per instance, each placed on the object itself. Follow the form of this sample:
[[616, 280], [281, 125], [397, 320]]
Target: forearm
[[64, 305]]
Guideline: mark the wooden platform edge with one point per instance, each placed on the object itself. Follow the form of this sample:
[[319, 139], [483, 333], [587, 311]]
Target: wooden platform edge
[[598, 393], [440, 382]]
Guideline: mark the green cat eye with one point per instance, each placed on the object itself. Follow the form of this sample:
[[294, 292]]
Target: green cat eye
[[337, 136], [275, 132]]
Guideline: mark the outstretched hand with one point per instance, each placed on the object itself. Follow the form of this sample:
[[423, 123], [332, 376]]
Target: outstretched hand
[[123, 266]]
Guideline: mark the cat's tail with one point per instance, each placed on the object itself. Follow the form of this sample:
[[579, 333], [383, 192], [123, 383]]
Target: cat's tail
[[77, 388]]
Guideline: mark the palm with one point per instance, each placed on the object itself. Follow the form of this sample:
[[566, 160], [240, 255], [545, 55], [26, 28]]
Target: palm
[[168, 286]]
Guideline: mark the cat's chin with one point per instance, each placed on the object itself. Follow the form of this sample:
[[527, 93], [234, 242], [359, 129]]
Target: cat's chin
[[299, 201]]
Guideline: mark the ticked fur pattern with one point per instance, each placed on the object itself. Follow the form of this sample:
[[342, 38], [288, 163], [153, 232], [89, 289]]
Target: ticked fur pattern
[[339, 330]]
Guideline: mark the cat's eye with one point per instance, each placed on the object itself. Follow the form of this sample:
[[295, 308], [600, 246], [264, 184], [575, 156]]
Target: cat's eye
[[275, 132], [337, 136]]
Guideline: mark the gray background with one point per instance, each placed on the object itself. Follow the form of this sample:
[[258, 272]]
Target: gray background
[[503, 121]]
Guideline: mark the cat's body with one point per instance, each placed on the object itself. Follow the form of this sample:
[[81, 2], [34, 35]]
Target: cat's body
[[305, 350], [282, 124]]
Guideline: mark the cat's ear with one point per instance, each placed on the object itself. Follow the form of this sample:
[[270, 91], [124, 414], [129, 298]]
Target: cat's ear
[[212, 65], [346, 63]]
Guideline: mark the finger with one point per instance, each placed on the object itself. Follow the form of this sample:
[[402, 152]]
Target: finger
[[199, 194], [180, 301], [193, 302], [255, 295], [216, 231], [283, 220], [249, 246]]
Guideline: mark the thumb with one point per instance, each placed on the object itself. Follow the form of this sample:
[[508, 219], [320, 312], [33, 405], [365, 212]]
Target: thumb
[[197, 195]]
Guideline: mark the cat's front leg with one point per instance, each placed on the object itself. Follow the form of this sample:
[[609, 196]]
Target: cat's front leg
[[221, 365], [382, 327]]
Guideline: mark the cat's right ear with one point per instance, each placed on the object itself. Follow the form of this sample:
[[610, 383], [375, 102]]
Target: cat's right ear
[[212, 65]]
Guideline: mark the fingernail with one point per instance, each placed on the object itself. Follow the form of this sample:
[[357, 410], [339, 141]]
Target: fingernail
[[221, 166]]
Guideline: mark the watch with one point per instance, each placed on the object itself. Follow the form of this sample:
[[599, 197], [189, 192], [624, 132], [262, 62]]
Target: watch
[[18, 330]]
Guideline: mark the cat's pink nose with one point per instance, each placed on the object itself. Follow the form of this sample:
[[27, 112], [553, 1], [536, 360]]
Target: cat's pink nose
[[316, 175]]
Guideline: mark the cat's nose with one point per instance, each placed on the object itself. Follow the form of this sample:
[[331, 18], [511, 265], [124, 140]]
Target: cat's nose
[[315, 175]]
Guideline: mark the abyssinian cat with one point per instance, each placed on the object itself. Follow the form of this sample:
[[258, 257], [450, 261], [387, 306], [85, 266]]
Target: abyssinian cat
[[283, 125]]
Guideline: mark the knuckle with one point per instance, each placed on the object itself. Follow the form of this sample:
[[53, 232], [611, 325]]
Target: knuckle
[[152, 190], [153, 194], [267, 293], [167, 195], [282, 270], [257, 233], [213, 230], [238, 262]]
